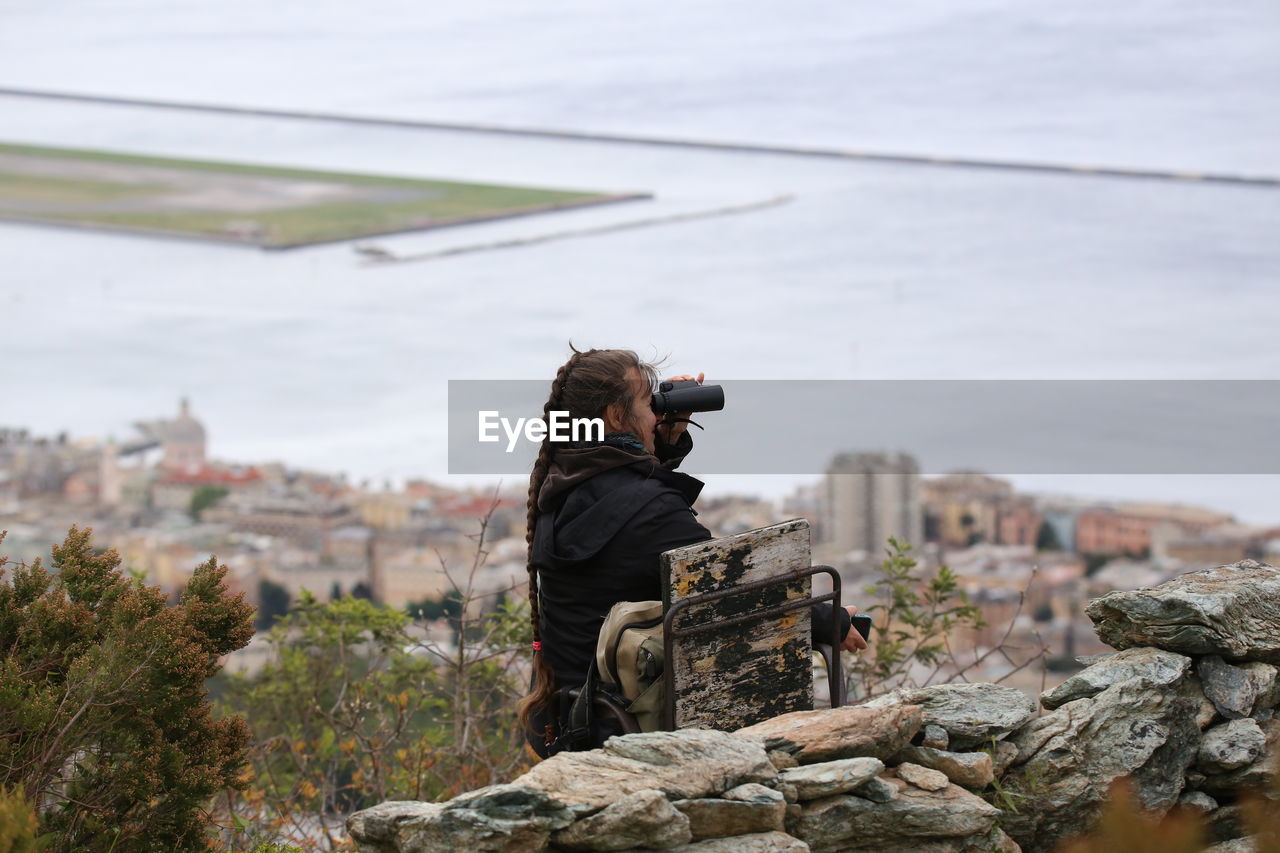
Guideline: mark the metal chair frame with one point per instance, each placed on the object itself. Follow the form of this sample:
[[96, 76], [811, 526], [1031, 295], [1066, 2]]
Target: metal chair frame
[[670, 633]]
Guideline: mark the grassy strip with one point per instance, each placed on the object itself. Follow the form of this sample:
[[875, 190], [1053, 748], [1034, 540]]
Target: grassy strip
[[318, 224], [420, 204], [252, 170], [42, 189]]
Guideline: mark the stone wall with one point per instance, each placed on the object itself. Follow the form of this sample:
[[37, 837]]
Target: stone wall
[[1185, 710]]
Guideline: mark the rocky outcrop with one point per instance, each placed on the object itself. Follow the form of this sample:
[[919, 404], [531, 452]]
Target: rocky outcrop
[[1068, 759], [1185, 712], [1184, 719], [703, 791]]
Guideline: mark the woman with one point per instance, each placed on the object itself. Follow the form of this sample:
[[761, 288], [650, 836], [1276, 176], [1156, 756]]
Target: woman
[[600, 514]]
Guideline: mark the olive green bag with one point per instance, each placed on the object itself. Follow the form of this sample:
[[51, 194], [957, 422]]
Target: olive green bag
[[629, 656]]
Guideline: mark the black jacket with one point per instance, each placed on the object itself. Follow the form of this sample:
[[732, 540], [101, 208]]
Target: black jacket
[[606, 513]]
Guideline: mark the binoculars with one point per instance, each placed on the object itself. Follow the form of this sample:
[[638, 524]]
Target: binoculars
[[687, 396]]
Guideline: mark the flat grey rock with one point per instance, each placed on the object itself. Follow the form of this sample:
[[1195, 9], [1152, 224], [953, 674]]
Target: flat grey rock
[[377, 828], [1155, 665], [813, 781], [686, 764], [1230, 746], [935, 737], [1232, 611], [505, 818], [1235, 845], [763, 842], [754, 792], [912, 820], [1232, 690], [719, 818], [642, 819], [852, 731], [994, 841], [1266, 680], [877, 790], [1197, 801], [972, 714], [973, 770], [922, 777]]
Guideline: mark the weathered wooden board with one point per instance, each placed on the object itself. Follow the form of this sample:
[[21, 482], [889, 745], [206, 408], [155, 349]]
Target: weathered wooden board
[[731, 677]]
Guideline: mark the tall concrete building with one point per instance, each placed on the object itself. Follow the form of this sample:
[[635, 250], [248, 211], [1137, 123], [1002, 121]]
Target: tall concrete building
[[870, 497]]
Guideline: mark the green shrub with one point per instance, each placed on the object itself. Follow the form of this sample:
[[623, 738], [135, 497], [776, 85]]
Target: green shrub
[[102, 701], [17, 822], [354, 707]]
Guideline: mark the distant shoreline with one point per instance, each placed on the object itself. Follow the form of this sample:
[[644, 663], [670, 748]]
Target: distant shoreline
[[1079, 170]]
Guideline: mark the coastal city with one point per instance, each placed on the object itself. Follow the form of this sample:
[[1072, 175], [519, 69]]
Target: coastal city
[[1029, 562], [979, 547]]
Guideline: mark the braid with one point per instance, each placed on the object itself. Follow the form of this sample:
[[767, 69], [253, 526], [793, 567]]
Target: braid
[[544, 678], [587, 385]]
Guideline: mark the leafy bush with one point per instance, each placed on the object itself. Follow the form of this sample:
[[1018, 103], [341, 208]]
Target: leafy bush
[[914, 620], [102, 702], [355, 708], [17, 823], [203, 498]]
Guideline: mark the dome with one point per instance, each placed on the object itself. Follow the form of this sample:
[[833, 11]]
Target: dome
[[184, 429]]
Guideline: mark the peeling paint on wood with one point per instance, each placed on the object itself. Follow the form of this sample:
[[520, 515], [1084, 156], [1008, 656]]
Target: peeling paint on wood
[[741, 675]]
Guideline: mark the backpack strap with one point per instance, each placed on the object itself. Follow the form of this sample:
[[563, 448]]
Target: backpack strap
[[577, 721], [581, 730]]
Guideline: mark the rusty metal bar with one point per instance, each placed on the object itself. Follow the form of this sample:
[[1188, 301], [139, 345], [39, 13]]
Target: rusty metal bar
[[670, 633]]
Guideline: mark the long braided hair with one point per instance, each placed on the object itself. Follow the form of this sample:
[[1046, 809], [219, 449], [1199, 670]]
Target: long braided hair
[[585, 386]]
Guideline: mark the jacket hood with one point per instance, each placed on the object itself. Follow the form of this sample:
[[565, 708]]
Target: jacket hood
[[572, 466], [591, 493]]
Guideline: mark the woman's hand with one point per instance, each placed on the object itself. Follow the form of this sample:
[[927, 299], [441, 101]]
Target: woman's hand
[[853, 641], [669, 430]]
